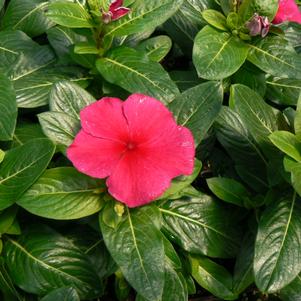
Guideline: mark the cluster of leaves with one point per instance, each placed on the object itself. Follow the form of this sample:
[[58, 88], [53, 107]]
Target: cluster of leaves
[[234, 225]]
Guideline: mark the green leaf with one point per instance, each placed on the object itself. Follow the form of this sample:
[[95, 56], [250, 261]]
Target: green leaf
[[288, 143], [198, 107], [243, 270], [144, 16], [283, 90], [228, 190], [222, 56], [86, 48], [185, 79], [297, 118], [59, 127], [277, 259], [201, 225], [136, 73], [156, 48], [215, 18], [275, 56], [137, 247], [258, 116], [294, 168], [180, 183], [2, 155], [213, 277], [63, 193], [64, 293], [266, 8], [69, 14], [292, 291], [8, 109], [50, 261], [27, 16], [69, 98], [21, 168], [7, 218]]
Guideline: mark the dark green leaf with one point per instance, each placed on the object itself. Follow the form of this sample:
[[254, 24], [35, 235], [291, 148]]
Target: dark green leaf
[[198, 107], [135, 72], [277, 259], [144, 16], [275, 56], [69, 98], [63, 193], [201, 225], [64, 294], [59, 127], [21, 168], [213, 277], [137, 247], [292, 292], [8, 109], [222, 56], [156, 48], [50, 261], [69, 14], [185, 79], [7, 218], [28, 16]]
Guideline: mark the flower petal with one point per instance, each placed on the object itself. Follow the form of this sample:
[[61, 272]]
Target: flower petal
[[147, 117], [136, 181], [288, 11], [105, 119], [119, 12], [115, 4], [94, 156]]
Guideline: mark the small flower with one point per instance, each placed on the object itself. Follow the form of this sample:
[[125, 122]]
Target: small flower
[[288, 11], [116, 11], [135, 144], [258, 25]]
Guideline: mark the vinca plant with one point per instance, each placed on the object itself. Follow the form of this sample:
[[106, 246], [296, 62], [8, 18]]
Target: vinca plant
[[150, 150]]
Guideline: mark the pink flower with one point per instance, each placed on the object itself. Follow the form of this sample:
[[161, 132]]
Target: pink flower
[[116, 11], [258, 25], [136, 144], [288, 11]]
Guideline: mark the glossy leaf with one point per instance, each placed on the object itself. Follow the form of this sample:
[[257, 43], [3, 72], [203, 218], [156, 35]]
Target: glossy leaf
[[215, 18], [222, 56], [288, 143], [275, 56], [21, 168], [137, 247], [144, 16], [27, 16], [69, 14], [69, 98], [63, 193], [277, 259], [64, 293], [156, 48], [213, 277], [59, 127], [198, 107], [136, 73], [50, 261], [8, 109], [201, 225]]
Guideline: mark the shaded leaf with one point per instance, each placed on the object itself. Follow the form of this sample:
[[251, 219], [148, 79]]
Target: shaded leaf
[[64, 293]]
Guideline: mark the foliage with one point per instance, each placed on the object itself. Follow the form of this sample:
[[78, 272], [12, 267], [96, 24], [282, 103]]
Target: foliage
[[232, 227]]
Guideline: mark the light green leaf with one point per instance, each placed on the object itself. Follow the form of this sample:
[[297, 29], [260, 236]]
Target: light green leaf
[[222, 56], [288, 143], [136, 73], [63, 193], [210, 230], [8, 109], [7, 218], [213, 277], [156, 48], [27, 16], [277, 259], [275, 56], [294, 168], [144, 16], [69, 14], [50, 261], [69, 98], [198, 107], [215, 18], [137, 247], [21, 167]]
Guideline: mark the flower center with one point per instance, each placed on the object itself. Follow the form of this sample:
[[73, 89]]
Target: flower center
[[130, 145]]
